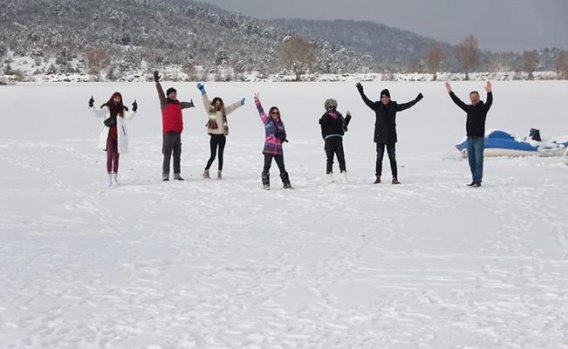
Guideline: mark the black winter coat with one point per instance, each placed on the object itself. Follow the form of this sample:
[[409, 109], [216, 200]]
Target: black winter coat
[[385, 118], [333, 126], [476, 115]]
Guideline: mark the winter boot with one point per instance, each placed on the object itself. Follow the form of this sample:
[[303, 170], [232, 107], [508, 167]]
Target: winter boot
[[395, 180], [165, 177], [110, 179], [115, 178], [343, 176], [219, 174], [286, 180], [266, 181], [330, 177], [377, 180], [206, 174], [178, 177]]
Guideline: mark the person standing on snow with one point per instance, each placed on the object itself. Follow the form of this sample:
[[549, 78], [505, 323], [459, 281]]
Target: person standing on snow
[[114, 134], [275, 135], [172, 127], [475, 128], [385, 128], [333, 127], [217, 128]]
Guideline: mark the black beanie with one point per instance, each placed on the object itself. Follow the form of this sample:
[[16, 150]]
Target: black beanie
[[170, 90], [385, 92]]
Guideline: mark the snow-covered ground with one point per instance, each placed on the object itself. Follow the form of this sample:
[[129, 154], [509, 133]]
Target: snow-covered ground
[[224, 264]]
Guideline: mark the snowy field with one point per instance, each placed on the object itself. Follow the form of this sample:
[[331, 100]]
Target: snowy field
[[224, 264]]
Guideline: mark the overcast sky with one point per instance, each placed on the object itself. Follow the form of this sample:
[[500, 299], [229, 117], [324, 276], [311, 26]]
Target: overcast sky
[[500, 25]]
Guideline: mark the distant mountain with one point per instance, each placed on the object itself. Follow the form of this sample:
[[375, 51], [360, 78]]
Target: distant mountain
[[393, 48], [142, 35]]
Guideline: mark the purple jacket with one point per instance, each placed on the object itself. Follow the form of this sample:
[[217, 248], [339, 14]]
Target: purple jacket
[[272, 144]]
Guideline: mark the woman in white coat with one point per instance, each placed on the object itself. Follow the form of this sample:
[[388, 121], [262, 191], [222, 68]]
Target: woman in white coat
[[114, 133]]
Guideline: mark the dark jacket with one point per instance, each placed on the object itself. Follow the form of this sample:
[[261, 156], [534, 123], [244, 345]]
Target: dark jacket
[[331, 126], [385, 118], [476, 115]]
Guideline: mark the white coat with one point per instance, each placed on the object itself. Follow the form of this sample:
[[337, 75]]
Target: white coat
[[122, 129]]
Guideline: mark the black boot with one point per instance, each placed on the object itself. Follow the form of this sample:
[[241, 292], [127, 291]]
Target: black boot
[[266, 180], [286, 180]]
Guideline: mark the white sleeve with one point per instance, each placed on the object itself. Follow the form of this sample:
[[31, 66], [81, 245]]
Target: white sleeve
[[101, 112]]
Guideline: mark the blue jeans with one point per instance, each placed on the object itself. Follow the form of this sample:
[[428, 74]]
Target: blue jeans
[[392, 157], [475, 147]]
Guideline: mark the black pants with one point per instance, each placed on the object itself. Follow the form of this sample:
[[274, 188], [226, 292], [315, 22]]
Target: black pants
[[171, 144], [392, 157], [334, 146], [217, 142], [268, 162]]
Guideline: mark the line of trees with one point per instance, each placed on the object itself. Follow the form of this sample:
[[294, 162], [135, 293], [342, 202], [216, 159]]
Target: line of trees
[[297, 56]]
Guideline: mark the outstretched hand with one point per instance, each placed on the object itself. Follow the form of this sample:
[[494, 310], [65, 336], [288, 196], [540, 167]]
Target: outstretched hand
[[156, 76], [191, 105], [91, 102], [359, 87], [489, 87], [201, 87], [419, 97], [448, 87], [243, 101], [134, 106]]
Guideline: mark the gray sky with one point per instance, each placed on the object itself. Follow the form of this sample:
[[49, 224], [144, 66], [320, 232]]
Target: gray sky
[[499, 25]]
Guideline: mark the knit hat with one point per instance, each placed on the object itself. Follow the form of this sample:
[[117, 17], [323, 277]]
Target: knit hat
[[385, 92], [330, 102], [170, 90]]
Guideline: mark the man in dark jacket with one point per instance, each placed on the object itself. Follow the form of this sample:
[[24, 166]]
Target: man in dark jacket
[[475, 127], [385, 129], [333, 127], [172, 127]]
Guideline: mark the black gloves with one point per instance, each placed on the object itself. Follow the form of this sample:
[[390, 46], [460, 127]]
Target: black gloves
[[419, 97], [191, 105], [359, 87], [91, 102], [156, 76], [134, 106]]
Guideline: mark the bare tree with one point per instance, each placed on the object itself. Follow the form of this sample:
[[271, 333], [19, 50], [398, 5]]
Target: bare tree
[[562, 64], [467, 53], [97, 60], [434, 56], [297, 55], [530, 60]]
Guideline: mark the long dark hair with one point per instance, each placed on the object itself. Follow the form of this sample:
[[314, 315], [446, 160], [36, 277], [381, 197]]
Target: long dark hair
[[215, 100], [270, 113], [115, 108]]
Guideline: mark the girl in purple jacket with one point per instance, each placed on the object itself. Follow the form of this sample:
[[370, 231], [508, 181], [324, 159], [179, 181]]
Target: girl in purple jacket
[[275, 135]]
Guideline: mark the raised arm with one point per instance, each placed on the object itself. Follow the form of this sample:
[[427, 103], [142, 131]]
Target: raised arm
[[100, 112], [231, 108], [263, 116], [404, 106], [185, 105], [128, 115], [161, 94], [455, 98], [367, 101], [489, 100], [204, 98]]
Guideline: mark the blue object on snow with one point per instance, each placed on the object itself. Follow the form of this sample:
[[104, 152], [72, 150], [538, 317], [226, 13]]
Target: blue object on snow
[[501, 143]]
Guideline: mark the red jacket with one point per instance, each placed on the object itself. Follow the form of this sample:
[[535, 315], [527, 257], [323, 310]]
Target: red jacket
[[172, 119]]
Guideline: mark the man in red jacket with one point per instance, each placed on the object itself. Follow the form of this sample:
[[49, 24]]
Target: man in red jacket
[[172, 127]]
